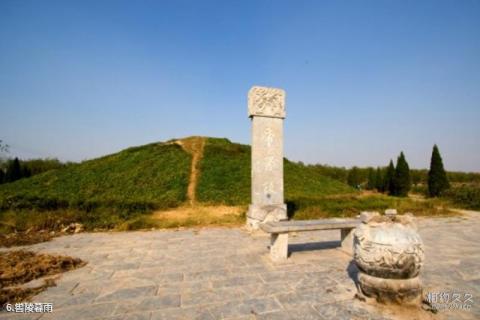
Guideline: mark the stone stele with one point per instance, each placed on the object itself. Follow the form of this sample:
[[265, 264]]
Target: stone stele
[[266, 108]]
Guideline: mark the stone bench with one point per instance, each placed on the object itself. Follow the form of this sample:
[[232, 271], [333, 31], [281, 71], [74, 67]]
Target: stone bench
[[279, 233]]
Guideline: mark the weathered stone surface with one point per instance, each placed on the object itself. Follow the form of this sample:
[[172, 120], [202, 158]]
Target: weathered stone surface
[[388, 250], [391, 212], [391, 290], [159, 302], [211, 296], [346, 240], [366, 216], [94, 311], [126, 293], [341, 311], [279, 246], [68, 300], [389, 254], [267, 109], [304, 312], [236, 281], [266, 102], [316, 275], [19, 316], [308, 225], [246, 307], [194, 313], [148, 303], [279, 233], [131, 316]]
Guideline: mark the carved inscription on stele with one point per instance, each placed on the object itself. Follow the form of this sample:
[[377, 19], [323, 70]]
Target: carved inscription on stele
[[268, 137], [267, 102]]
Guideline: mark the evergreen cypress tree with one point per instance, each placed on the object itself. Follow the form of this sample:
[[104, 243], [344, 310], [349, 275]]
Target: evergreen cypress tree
[[402, 182], [379, 184], [437, 177], [372, 179], [13, 171], [25, 171], [388, 185], [353, 178]]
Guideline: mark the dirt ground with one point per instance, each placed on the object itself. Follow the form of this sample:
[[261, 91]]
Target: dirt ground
[[24, 238], [20, 267]]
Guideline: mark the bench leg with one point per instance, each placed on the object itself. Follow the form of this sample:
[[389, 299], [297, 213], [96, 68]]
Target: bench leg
[[346, 236], [279, 246]]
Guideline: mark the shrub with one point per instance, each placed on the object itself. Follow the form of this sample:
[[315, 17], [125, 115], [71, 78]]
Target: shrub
[[465, 196]]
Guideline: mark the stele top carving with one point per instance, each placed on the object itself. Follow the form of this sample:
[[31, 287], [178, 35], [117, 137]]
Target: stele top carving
[[266, 102]]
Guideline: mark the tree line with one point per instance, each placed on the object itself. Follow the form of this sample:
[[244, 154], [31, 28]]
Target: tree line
[[397, 179], [394, 179], [15, 169]]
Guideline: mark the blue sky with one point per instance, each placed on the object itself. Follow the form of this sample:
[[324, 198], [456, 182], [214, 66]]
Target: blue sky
[[364, 79]]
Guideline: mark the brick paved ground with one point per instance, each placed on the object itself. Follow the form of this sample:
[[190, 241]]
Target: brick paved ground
[[220, 273]]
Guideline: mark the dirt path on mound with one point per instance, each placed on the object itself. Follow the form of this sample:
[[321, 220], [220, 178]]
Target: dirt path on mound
[[194, 146]]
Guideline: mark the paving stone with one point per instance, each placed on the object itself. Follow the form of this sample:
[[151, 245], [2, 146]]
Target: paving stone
[[314, 280], [159, 302], [211, 296], [282, 276], [92, 311], [130, 282], [19, 316], [265, 289], [244, 307], [151, 303], [194, 313], [335, 311], [63, 287], [301, 313], [357, 310], [184, 287], [207, 275], [276, 315], [126, 293], [144, 272], [300, 298], [123, 266], [187, 275], [131, 316], [69, 300], [237, 281]]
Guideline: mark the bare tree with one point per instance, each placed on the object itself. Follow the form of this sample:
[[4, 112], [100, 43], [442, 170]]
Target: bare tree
[[4, 147]]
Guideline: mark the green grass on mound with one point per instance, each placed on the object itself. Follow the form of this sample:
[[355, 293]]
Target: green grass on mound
[[134, 180], [225, 176], [113, 191], [224, 173], [225, 179], [306, 182]]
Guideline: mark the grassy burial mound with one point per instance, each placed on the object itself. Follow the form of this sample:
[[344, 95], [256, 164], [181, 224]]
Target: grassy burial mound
[[225, 176], [208, 178], [225, 179], [100, 192], [136, 179]]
